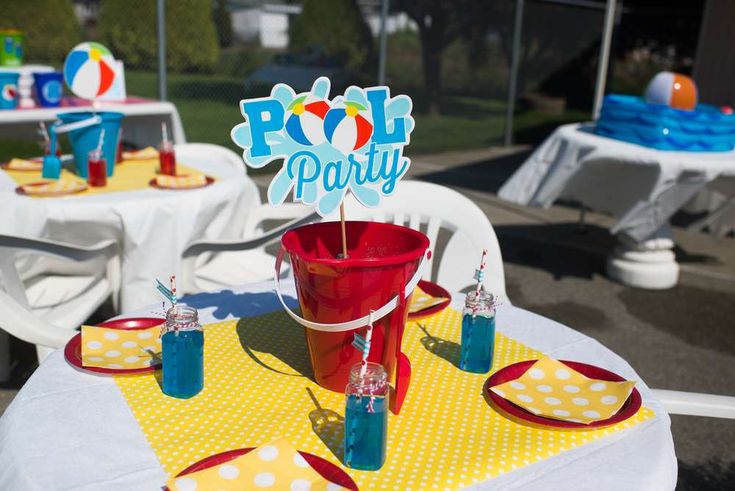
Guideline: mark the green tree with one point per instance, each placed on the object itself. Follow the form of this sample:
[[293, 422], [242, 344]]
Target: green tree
[[335, 26], [223, 22], [191, 39], [50, 28]]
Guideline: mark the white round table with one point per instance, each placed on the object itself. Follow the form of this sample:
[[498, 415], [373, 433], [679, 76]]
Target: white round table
[[67, 429], [152, 226]]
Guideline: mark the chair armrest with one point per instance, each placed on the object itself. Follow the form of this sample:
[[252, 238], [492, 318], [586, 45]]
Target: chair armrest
[[696, 404], [238, 245], [19, 322], [107, 248]]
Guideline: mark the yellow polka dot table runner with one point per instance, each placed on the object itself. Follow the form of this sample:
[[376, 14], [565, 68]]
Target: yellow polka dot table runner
[[257, 389], [130, 175]]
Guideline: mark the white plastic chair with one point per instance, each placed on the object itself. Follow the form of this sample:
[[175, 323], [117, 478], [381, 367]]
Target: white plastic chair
[[432, 209], [216, 264], [44, 305], [696, 404]]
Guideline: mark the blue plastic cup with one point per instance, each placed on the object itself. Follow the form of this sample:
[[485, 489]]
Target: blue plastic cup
[[8, 90], [84, 139], [49, 88]]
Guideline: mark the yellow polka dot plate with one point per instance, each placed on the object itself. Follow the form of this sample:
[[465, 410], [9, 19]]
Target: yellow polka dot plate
[[121, 362], [520, 415]]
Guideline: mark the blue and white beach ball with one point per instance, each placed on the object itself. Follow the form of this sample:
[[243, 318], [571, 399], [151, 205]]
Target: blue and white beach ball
[[348, 127], [305, 120]]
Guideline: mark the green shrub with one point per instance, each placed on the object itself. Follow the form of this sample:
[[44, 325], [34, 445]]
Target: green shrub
[[130, 32], [50, 28], [335, 26]]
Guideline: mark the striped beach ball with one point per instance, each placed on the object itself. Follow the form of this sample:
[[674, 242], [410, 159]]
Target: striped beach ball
[[89, 70], [673, 90], [305, 120], [348, 127]]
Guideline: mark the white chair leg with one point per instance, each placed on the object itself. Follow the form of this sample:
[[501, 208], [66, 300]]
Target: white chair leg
[[695, 404], [42, 352]]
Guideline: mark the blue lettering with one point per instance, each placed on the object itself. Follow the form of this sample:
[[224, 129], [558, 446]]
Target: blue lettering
[[306, 158], [333, 168], [381, 136], [264, 116]]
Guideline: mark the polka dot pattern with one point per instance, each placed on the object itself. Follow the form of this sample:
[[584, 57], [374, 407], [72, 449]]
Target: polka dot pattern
[[565, 393], [255, 395], [107, 347]]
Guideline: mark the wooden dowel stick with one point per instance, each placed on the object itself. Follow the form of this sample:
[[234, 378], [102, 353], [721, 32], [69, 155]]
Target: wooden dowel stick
[[344, 229]]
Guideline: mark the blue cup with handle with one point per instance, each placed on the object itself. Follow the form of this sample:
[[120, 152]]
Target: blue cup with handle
[[8, 90], [84, 130], [49, 88]]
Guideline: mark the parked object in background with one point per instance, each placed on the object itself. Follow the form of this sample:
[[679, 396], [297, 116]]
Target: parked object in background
[[11, 47]]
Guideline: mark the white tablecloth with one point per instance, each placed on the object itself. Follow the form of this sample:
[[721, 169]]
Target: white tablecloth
[[152, 226], [71, 430], [141, 124], [640, 186]]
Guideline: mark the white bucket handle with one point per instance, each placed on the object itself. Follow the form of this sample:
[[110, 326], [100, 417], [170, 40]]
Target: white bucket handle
[[353, 324], [65, 128]]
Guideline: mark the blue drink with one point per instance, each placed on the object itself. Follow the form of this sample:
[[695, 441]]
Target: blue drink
[[478, 342], [365, 432], [478, 333], [183, 354]]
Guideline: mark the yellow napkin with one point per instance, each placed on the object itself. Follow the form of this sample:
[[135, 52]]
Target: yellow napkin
[[22, 164], [276, 466], [181, 182], [55, 188], [553, 390], [422, 300], [107, 347], [145, 154]]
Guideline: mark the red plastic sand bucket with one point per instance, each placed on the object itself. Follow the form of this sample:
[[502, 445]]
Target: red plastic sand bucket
[[384, 264]]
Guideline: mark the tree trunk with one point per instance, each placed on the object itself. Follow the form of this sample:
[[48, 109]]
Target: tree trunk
[[431, 58]]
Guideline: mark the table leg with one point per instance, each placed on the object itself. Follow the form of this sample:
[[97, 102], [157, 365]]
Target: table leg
[[650, 264]]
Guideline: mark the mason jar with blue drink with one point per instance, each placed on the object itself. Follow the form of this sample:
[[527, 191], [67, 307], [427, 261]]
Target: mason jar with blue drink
[[478, 332], [366, 417], [182, 355]]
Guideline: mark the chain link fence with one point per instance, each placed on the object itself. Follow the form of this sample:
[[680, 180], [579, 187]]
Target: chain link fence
[[452, 57]]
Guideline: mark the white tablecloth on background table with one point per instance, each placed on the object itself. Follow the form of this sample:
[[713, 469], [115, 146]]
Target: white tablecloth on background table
[[141, 124], [152, 226], [71, 430], [640, 186]]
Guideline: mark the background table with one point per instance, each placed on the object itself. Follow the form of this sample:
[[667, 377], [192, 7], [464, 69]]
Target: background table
[[152, 226], [641, 187], [68, 429], [141, 125]]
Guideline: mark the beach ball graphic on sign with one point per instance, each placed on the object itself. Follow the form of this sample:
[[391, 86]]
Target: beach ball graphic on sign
[[673, 90], [305, 120], [88, 70], [348, 126]]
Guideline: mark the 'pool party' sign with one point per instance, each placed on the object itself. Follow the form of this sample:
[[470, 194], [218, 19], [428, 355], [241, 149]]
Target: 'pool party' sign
[[353, 142]]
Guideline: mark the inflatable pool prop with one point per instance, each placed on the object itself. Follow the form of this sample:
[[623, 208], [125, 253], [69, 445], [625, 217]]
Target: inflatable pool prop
[[668, 118]]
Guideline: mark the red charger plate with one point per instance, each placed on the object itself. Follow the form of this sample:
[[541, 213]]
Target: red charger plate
[[153, 184], [435, 291], [20, 190], [516, 413], [325, 468], [73, 349]]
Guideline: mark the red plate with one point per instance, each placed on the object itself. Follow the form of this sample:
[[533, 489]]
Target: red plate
[[435, 291], [325, 468], [153, 184], [20, 190], [73, 349], [520, 415]]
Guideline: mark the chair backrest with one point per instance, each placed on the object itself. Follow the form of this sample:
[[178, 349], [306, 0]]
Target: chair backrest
[[208, 151], [451, 221]]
